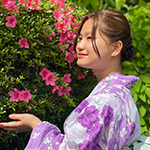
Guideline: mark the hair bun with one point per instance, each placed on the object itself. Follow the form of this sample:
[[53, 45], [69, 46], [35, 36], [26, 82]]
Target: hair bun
[[128, 53]]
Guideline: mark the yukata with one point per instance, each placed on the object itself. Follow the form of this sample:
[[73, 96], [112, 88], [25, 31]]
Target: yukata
[[106, 120]]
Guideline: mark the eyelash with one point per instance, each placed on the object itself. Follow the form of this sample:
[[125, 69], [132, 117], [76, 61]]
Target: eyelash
[[80, 38]]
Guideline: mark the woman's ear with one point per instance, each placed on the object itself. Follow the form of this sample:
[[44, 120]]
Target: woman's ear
[[117, 46]]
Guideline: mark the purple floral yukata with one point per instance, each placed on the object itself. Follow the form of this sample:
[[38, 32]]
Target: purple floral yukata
[[106, 120]]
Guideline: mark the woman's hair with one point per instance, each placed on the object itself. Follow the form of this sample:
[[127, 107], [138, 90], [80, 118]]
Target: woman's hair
[[114, 26]]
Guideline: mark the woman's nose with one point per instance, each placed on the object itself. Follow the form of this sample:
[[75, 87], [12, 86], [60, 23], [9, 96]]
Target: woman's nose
[[81, 44]]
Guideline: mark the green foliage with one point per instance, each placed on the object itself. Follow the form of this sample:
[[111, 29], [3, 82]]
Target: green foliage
[[20, 68], [96, 4], [139, 19]]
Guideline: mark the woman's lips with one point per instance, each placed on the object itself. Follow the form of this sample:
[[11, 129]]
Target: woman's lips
[[80, 55]]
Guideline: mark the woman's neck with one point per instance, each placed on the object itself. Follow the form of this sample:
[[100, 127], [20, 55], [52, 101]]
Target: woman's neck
[[103, 74]]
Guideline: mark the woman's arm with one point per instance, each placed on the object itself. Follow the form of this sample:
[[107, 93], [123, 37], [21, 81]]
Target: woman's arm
[[23, 122]]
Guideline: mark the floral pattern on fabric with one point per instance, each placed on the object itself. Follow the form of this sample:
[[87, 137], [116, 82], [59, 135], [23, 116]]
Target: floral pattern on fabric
[[107, 115], [82, 105], [89, 117], [106, 120]]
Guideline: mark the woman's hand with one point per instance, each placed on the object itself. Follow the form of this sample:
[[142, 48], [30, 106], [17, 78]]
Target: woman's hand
[[23, 122]]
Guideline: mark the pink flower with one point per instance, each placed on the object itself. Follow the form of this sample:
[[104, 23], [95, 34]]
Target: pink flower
[[34, 103], [30, 108], [63, 36], [50, 38], [15, 96], [55, 88], [70, 57], [24, 43], [80, 76], [11, 6], [72, 48], [66, 78], [25, 95], [1, 133], [58, 15], [22, 1], [11, 21], [5, 2], [53, 33], [59, 3], [50, 79], [44, 73], [63, 91]]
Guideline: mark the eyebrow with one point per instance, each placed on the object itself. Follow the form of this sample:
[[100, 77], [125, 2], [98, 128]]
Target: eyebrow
[[86, 33]]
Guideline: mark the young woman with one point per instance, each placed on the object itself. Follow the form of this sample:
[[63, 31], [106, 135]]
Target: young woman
[[108, 118]]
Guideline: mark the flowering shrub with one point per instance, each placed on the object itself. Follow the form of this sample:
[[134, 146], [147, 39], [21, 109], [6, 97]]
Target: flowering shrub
[[38, 71]]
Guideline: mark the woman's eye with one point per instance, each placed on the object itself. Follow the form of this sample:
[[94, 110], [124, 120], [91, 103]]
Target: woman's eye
[[89, 37]]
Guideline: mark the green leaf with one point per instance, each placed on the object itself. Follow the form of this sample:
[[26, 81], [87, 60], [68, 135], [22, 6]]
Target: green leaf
[[144, 129], [137, 86], [142, 97], [145, 78], [147, 91], [143, 88], [119, 3], [94, 3], [142, 121], [135, 97], [142, 111], [86, 2], [142, 3]]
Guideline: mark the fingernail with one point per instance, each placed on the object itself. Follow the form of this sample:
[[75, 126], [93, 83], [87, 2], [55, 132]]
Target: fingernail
[[10, 115]]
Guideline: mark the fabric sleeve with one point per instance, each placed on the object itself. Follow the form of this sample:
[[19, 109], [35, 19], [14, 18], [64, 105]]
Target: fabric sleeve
[[45, 136], [97, 125]]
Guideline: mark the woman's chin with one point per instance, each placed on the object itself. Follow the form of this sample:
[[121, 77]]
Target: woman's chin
[[83, 65]]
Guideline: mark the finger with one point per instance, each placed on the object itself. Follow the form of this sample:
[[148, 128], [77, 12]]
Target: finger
[[10, 129], [16, 116], [10, 124]]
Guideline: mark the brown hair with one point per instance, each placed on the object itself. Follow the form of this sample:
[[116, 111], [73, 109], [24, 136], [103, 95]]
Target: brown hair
[[114, 26]]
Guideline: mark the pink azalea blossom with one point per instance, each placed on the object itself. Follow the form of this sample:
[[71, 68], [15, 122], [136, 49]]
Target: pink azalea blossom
[[70, 57], [15, 96], [34, 103], [53, 33], [24, 43], [63, 36], [55, 88], [50, 38], [72, 8], [72, 48], [59, 3], [31, 4], [11, 6], [93, 73], [44, 73], [30, 108], [58, 15], [50, 79], [5, 2], [22, 1], [25, 95], [66, 78], [81, 75], [62, 26], [11, 21], [63, 91]]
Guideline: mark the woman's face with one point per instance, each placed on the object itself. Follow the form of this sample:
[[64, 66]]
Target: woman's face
[[86, 55]]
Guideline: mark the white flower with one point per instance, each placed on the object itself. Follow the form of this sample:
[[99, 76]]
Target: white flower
[[123, 132], [47, 140], [35, 135]]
